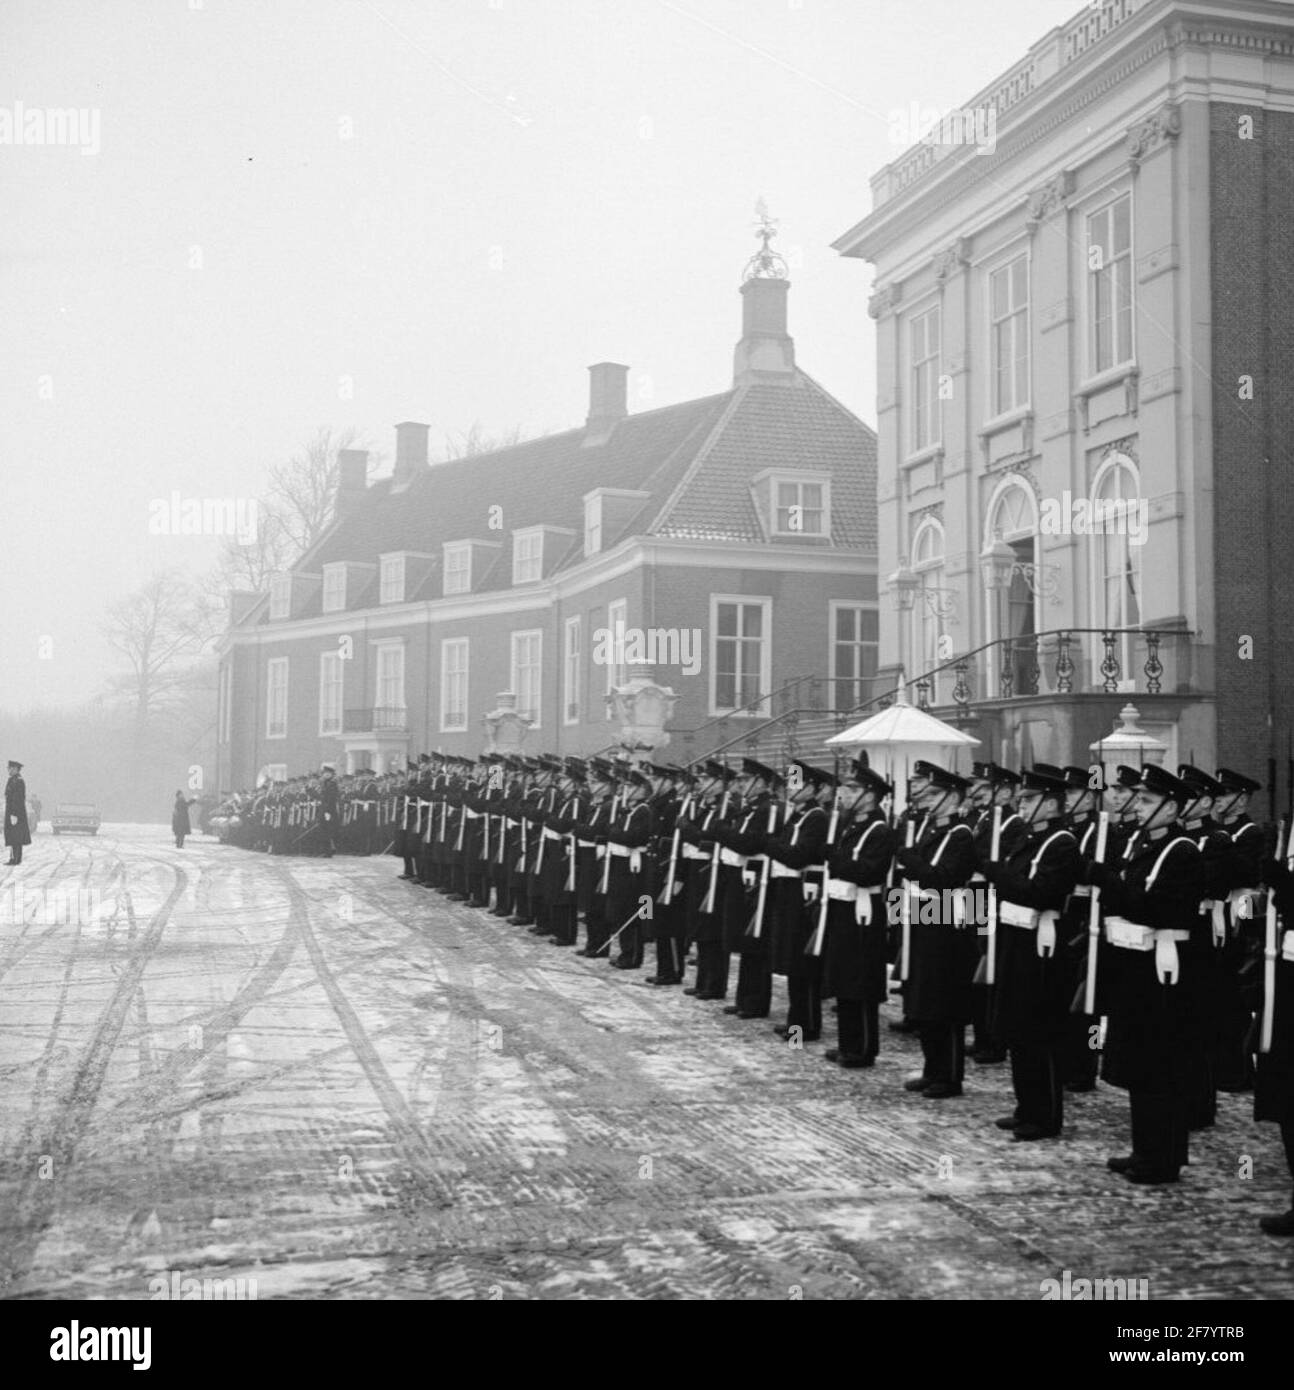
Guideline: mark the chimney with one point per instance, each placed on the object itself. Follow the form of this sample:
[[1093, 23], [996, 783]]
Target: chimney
[[766, 352], [410, 451], [608, 397], [352, 477]]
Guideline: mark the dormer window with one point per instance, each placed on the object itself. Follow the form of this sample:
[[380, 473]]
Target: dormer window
[[458, 569], [391, 579], [800, 508], [280, 597], [334, 588], [592, 524], [527, 556]]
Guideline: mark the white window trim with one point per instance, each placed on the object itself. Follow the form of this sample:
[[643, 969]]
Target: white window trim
[[524, 535], [794, 476], [226, 700], [390, 644], [331, 571], [1096, 564], [466, 644], [280, 598], [455, 549], [936, 443], [593, 520], [572, 697], [833, 607], [765, 659], [1099, 202], [393, 561], [616, 607], [515, 684], [324, 659], [999, 262], [276, 663], [994, 602]]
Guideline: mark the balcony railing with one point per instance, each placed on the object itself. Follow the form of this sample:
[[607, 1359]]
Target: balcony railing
[[1068, 662], [375, 721]]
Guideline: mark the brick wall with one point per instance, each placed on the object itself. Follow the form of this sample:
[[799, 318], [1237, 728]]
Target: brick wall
[[1252, 266]]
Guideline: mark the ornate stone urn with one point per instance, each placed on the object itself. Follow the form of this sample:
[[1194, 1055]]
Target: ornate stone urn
[[642, 708], [505, 729]]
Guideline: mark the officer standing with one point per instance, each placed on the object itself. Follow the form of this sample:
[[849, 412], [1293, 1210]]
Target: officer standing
[[16, 833]]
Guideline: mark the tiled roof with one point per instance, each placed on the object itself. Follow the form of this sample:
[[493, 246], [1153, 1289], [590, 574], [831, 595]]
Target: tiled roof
[[694, 460], [785, 427]]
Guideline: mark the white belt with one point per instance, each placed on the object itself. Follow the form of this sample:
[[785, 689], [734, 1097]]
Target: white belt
[[471, 815], [840, 890], [1136, 936], [977, 878], [422, 805], [1031, 919], [777, 870], [584, 844], [692, 852], [634, 856], [552, 834], [1082, 890], [738, 861]]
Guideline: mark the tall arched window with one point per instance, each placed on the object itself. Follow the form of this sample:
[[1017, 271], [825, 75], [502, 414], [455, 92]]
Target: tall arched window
[[927, 620], [1116, 550], [1013, 515]]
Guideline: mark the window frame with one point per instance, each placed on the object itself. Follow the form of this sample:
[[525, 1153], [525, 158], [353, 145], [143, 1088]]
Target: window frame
[[466, 674], [799, 481], [455, 550], [593, 521], [275, 664], [1105, 209], [617, 673], [935, 361], [572, 684], [383, 647], [394, 561], [331, 655], [1004, 265], [329, 600], [520, 538], [280, 598], [537, 633], [765, 602], [834, 606]]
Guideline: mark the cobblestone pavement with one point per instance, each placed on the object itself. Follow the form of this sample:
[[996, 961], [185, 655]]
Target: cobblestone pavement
[[311, 1074]]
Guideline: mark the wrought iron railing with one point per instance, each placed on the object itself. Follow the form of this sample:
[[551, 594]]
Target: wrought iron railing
[[1062, 662], [375, 720]]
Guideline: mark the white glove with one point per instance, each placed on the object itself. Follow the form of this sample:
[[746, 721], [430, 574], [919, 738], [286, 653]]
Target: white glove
[[13, 820]]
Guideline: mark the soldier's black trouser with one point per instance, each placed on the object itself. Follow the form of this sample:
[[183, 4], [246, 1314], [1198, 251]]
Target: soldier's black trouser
[[858, 1028], [1079, 1060], [754, 984], [804, 1004], [943, 1045], [564, 922], [1039, 1082], [1159, 1131], [711, 969]]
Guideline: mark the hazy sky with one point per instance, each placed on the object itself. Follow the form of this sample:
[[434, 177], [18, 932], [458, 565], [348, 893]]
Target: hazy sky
[[452, 205]]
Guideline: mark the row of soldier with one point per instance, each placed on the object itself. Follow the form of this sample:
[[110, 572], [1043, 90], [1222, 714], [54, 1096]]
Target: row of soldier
[[1071, 921]]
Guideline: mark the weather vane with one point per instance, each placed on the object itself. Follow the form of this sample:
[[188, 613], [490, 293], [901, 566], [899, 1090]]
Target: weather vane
[[766, 263]]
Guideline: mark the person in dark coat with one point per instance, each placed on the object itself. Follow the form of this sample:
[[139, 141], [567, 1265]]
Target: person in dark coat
[[180, 826], [329, 811], [1034, 984], [944, 952], [1153, 974], [855, 948], [16, 832], [1274, 1083]]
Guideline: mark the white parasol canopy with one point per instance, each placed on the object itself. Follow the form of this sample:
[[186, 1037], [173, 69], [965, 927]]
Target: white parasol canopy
[[900, 736]]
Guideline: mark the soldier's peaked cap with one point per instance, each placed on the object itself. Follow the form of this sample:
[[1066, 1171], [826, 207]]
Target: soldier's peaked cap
[[1199, 781], [714, 768], [865, 777], [1159, 781], [1237, 781], [754, 768], [943, 779], [1043, 779], [922, 768], [1125, 776], [981, 772], [574, 767], [1002, 776], [808, 773], [1078, 778]]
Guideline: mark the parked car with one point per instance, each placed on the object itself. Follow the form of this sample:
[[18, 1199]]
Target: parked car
[[76, 817]]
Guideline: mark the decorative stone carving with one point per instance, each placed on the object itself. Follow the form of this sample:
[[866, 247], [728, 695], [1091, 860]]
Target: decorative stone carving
[[884, 300], [1154, 131], [1049, 198], [642, 708], [950, 260], [505, 728]]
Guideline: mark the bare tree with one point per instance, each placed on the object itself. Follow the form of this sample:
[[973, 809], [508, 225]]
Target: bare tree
[[160, 630], [248, 565], [476, 441], [303, 491]]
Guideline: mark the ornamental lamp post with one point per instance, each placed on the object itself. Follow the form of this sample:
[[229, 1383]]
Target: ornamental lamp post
[[997, 564]]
